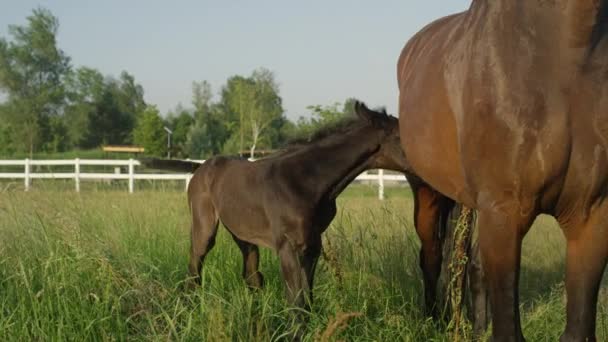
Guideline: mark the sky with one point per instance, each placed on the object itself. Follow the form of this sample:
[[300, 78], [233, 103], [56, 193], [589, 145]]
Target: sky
[[321, 52]]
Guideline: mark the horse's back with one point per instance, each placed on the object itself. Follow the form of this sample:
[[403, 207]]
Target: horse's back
[[213, 173], [479, 112], [422, 48]]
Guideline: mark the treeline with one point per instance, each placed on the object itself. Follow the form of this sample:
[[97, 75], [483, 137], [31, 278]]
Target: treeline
[[50, 106]]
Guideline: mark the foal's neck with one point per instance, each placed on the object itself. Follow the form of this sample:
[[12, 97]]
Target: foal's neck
[[336, 163]]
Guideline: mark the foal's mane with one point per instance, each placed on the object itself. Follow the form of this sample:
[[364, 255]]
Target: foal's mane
[[335, 129], [341, 126]]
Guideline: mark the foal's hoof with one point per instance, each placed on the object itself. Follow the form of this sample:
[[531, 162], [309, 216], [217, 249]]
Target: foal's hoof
[[298, 332], [191, 284], [255, 282]]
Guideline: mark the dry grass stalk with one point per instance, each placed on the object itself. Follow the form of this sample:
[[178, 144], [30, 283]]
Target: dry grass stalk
[[337, 324]]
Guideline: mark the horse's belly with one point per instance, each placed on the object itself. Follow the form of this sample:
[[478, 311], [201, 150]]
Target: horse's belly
[[247, 224], [429, 135]]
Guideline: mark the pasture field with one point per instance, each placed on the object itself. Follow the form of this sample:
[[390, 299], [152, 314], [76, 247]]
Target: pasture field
[[107, 265]]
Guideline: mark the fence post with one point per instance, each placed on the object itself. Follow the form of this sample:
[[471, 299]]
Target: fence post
[[131, 175], [381, 184], [77, 174], [27, 174]]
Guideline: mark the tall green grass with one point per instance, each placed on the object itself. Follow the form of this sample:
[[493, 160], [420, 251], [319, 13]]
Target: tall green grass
[[107, 265]]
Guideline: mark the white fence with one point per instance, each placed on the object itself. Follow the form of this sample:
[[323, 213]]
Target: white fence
[[131, 176]]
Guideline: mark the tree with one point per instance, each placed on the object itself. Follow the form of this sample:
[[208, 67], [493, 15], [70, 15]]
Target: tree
[[6, 144], [32, 69], [149, 132], [85, 91], [253, 108], [180, 120], [101, 110], [58, 135], [201, 97], [322, 116], [130, 96], [108, 124], [266, 107], [237, 95], [210, 128]]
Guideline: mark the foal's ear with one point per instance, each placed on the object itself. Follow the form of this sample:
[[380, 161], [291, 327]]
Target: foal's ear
[[375, 118], [363, 112]]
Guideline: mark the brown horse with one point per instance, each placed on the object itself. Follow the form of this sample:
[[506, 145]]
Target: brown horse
[[287, 200], [504, 108], [435, 217]]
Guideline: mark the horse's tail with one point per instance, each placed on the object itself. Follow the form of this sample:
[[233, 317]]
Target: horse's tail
[[170, 164]]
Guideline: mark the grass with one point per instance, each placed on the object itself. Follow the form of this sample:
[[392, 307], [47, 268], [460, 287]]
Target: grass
[[106, 265]]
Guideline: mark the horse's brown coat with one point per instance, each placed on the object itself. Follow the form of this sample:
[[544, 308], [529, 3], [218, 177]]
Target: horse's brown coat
[[504, 108]]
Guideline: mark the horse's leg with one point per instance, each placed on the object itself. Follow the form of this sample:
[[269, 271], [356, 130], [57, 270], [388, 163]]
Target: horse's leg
[[587, 251], [251, 260], [500, 238], [428, 207], [479, 298], [298, 268], [204, 229]]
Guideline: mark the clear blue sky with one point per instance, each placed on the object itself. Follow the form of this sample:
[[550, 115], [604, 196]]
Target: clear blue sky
[[320, 51]]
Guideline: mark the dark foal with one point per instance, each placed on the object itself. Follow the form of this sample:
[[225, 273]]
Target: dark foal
[[287, 200], [504, 108]]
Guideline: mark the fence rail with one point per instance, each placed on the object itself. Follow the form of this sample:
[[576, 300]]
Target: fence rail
[[131, 176]]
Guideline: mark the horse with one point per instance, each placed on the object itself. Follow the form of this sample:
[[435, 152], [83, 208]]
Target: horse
[[287, 200], [435, 220], [504, 108]]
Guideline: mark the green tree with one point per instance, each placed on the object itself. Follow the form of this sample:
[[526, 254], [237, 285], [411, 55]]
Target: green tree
[[201, 97], [180, 120], [6, 143], [102, 110], [321, 116], [58, 133], [85, 91], [32, 69], [210, 129], [130, 96], [237, 94], [181, 126], [149, 132], [266, 108], [254, 111]]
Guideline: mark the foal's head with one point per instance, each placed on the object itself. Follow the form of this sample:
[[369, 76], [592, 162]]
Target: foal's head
[[389, 154]]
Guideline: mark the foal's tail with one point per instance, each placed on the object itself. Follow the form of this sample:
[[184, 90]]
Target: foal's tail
[[170, 164]]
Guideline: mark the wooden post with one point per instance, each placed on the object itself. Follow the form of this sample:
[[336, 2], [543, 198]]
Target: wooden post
[[77, 174], [27, 174]]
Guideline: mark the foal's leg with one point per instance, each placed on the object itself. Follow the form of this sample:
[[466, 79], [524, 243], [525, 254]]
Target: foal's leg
[[500, 238], [585, 262], [428, 207], [204, 229], [251, 260], [298, 265]]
